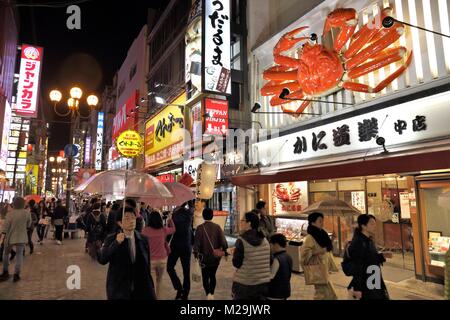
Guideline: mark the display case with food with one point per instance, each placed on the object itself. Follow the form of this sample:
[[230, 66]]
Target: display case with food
[[438, 247], [294, 227]]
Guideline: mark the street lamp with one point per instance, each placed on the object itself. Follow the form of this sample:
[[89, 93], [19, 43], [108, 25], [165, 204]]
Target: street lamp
[[73, 109]]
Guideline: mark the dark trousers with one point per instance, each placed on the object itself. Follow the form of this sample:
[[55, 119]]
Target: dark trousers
[[185, 257], [59, 232], [40, 229], [243, 292], [30, 241], [209, 279]]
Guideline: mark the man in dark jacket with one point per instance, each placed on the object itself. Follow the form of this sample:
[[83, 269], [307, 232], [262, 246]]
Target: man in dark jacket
[[266, 225], [280, 269], [181, 248], [111, 225], [127, 253], [59, 214], [366, 262]]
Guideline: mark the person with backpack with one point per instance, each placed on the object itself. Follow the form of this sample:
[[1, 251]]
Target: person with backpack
[[159, 248], [362, 259], [280, 269], [210, 246], [96, 228], [316, 258]]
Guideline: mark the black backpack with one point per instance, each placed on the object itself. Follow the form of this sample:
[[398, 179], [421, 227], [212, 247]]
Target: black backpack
[[347, 264]]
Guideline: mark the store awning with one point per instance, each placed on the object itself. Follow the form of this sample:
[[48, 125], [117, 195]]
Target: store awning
[[407, 163]]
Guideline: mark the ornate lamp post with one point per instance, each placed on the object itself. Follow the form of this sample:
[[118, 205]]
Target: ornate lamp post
[[73, 109]]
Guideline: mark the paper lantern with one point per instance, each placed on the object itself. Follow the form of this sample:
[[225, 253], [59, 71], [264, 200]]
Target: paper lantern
[[206, 180]]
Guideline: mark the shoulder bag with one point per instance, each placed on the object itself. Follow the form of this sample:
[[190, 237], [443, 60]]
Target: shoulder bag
[[218, 253]]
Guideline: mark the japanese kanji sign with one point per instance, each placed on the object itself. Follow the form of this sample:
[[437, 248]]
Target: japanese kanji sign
[[400, 125], [129, 144], [217, 120], [99, 141], [29, 77], [164, 134], [217, 26]]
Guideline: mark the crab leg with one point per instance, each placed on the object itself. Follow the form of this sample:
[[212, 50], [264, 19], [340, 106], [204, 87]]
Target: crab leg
[[275, 87], [296, 113], [354, 86], [276, 101], [381, 60], [392, 35], [287, 41], [344, 19], [365, 34]]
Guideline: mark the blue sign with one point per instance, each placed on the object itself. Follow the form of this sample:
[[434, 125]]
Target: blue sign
[[70, 150]]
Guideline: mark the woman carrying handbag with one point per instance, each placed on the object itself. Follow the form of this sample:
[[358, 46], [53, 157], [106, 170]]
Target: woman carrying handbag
[[317, 260], [210, 246]]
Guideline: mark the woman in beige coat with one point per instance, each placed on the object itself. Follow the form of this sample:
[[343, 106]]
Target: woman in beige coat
[[317, 249]]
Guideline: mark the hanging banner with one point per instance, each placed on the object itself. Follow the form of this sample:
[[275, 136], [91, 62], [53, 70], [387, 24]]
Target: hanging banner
[[216, 121], [216, 47], [29, 77], [5, 136], [99, 142], [129, 144], [125, 119]]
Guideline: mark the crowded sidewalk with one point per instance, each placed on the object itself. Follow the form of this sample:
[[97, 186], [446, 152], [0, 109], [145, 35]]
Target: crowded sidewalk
[[44, 278]]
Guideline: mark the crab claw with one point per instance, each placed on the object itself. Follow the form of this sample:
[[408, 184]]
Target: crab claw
[[340, 18], [288, 40]]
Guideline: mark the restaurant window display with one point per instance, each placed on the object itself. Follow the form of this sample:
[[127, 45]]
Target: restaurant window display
[[390, 199], [435, 216], [225, 199]]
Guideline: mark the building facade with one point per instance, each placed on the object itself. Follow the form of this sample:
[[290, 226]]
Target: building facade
[[386, 153]]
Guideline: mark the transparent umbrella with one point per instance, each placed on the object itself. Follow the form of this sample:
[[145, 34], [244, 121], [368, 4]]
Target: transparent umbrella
[[180, 194], [124, 183]]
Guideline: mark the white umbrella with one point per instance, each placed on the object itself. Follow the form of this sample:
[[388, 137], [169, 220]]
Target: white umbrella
[[180, 195], [124, 183]]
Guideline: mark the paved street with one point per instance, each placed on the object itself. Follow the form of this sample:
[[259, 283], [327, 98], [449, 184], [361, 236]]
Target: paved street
[[44, 278]]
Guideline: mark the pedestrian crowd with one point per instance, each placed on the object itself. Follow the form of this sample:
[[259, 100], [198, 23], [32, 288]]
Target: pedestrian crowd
[[140, 244]]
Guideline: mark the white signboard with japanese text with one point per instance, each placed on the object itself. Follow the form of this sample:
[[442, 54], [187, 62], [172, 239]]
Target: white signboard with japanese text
[[359, 201], [407, 123], [29, 77], [217, 47], [99, 142], [405, 205]]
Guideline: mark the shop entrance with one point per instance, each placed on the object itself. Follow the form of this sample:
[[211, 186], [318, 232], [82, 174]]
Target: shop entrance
[[391, 199]]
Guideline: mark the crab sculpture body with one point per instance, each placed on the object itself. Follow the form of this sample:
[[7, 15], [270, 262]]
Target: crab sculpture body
[[320, 71]]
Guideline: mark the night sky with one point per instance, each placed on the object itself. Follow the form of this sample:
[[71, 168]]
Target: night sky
[[88, 57]]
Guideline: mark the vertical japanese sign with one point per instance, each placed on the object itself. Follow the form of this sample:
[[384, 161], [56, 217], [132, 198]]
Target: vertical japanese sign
[[359, 200], [99, 142], [125, 119], [5, 136], [216, 47], [217, 120], [29, 76], [87, 151]]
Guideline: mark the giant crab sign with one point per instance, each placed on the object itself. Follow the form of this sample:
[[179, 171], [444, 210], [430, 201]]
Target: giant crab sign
[[320, 71]]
